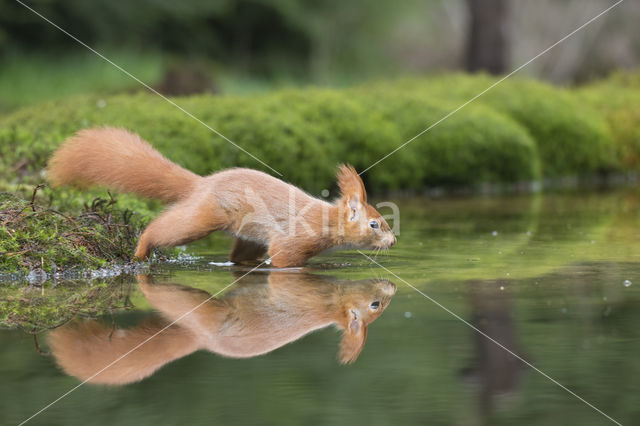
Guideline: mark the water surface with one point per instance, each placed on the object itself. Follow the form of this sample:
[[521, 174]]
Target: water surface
[[555, 278]]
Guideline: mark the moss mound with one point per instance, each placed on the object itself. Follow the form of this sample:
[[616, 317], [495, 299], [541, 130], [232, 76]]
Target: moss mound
[[481, 145], [572, 138], [519, 130], [618, 100], [33, 237]]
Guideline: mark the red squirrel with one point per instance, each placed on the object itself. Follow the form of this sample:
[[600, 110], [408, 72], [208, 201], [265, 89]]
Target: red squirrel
[[262, 313], [266, 215]]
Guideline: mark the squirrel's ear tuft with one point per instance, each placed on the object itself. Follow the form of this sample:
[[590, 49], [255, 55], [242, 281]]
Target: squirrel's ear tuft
[[353, 339], [351, 186]]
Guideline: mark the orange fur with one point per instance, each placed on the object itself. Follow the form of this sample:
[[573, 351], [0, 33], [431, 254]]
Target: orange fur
[[266, 214], [350, 183], [260, 315], [122, 161]]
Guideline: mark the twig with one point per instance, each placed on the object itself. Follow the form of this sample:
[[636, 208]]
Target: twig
[[33, 196], [37, 345]]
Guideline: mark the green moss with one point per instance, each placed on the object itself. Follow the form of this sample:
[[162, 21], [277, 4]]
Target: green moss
[[478, 146], [34, 309], [35, 237], [572, 138], [618, 99], [303, 134], [519, 130]]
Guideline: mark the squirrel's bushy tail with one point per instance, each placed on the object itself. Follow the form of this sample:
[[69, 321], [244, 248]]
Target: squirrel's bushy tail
[[120, 160], [94, 352]]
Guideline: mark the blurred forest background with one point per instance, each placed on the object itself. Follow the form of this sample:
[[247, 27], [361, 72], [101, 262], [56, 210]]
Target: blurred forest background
[[247, 46]]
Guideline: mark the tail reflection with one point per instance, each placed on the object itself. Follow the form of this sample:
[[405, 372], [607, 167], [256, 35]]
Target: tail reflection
[[262, 313]]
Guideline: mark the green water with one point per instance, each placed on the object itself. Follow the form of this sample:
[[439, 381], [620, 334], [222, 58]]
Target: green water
[[553, 278]]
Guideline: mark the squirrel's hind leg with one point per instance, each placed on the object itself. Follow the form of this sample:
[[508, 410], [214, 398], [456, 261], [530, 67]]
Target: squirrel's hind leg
[[245, 251], [180, 224]]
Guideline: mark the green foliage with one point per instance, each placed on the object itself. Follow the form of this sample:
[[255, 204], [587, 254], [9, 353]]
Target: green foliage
[[479, 145], [622, 79], [572, 138], [229, 31], [34, 237], [22, 82], [36, 309], [519, 131], [618, 98]]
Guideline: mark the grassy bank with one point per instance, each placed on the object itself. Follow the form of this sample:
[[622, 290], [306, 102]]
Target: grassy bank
[[35, 238]]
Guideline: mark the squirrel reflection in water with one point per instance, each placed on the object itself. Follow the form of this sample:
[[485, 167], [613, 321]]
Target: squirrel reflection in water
[[262, 313]]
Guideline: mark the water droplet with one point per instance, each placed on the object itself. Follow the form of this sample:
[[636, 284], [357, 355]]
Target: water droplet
[[564, 310], [499, 251], [494, 233], [36, 277], [324, 193], [501, 287], [407, 314], [627, 283], [101, 103], [528, 232], [593, 241]]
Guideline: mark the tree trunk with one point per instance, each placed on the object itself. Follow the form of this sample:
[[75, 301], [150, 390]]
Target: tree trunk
[[488, 43]]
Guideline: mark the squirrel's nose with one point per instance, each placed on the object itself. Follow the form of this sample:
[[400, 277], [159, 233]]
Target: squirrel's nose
[[393, 241]]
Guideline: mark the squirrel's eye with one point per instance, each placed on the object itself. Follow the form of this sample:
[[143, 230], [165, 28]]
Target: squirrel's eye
[[375, 305], [374, 224]]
